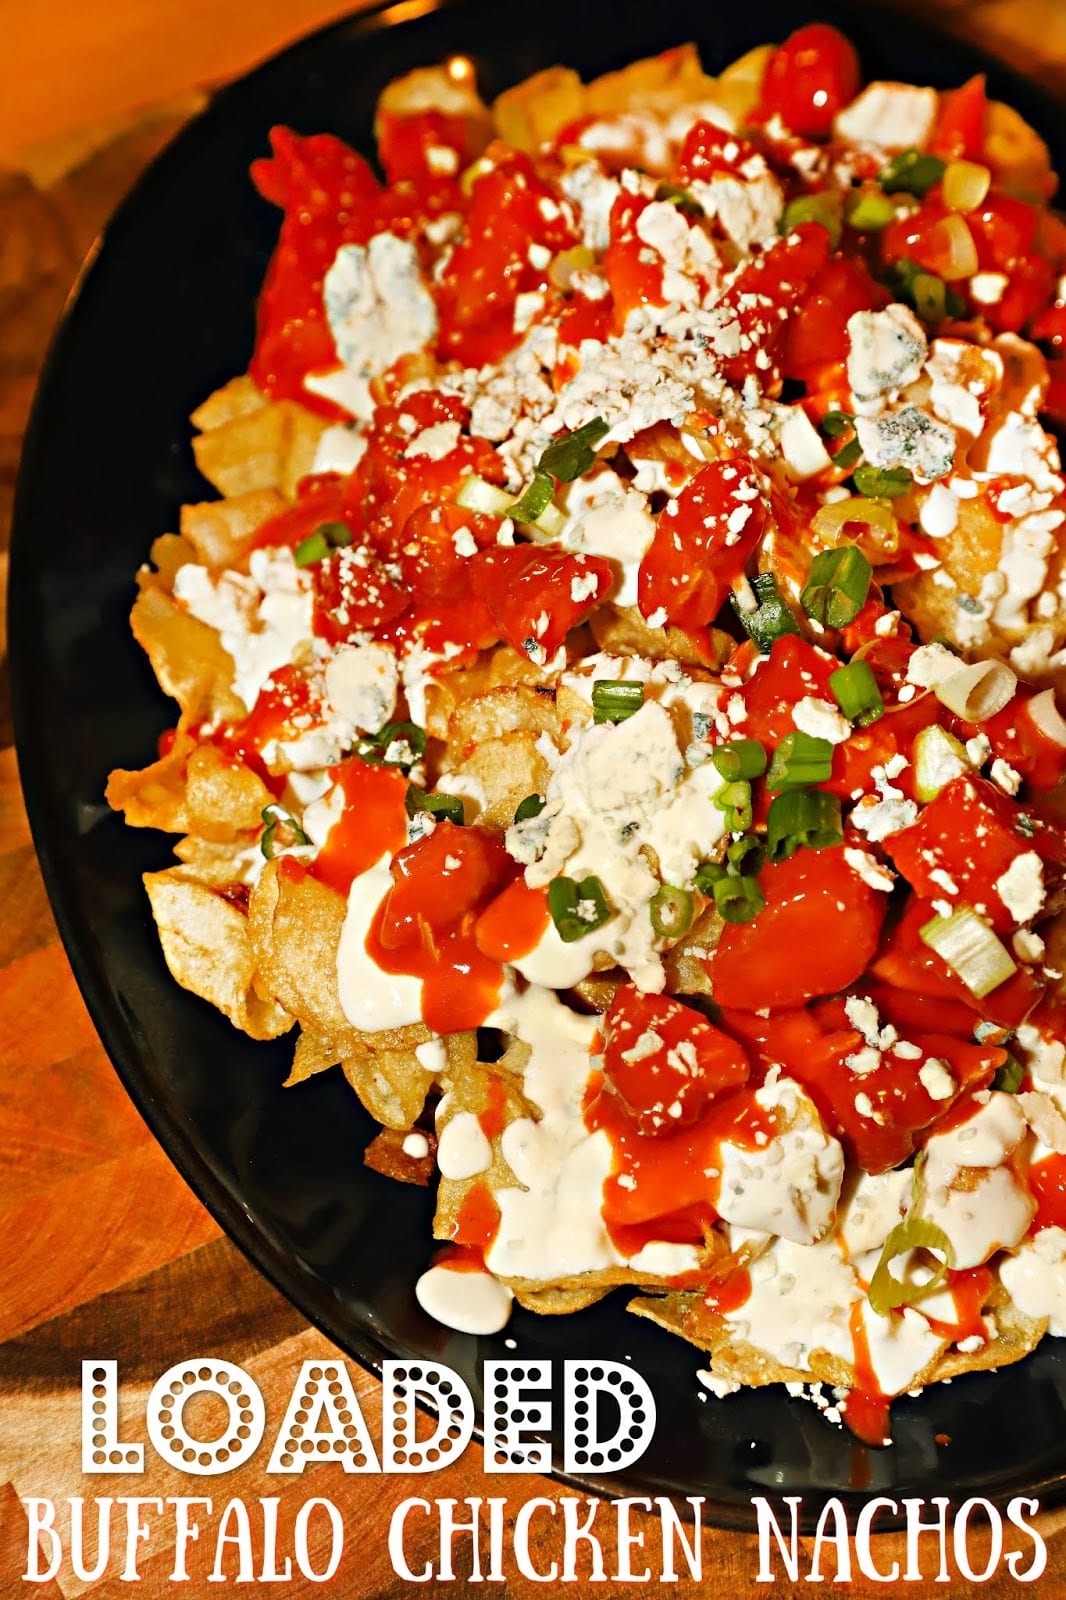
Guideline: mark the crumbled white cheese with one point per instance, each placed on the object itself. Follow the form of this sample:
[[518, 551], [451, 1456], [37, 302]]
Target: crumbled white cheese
[[1021, 887]]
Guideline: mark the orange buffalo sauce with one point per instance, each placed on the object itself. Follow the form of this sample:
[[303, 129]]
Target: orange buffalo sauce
[[425, 926], [664, 1186], [372, 824], [514, 923]]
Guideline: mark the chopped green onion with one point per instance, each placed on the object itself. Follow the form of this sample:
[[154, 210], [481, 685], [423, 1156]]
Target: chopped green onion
[[328, 536], [570, 456], [809, 817], [444, 807], [930, 296], [869, 212], [938, 757], [824, 208], [856, 693], [683, 199], [577, 908], [276, 817], [374, 748], [708, 873], [883, 483], [1008, 1077], [671, 911], [475, 494], [531, 806], [746, 856], [614, 700], [970, 949], [835, 424], [913, 1233], [799, 761], [771, 618], [530, 505], [738, 899], [847, 455], [735, 800], [740, 758], [911, 172], [837, 585]]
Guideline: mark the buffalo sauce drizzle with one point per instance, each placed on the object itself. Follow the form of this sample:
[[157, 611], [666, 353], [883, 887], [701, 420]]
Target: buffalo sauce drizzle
[[425, 927], [662, 1187], [372, 824]]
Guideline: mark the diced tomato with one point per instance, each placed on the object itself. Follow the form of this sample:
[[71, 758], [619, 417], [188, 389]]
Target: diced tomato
[[664, 1061], [490, 266], [709, 151], [907, 962], [964, 841], [793, 670], [409, 146], [817, 335], [632, 268], [702, 542], [1017, 739], [763, 297], [880, 1114], [809, 78], [959, 134], [793, 950], [330, 198], [536, 596]]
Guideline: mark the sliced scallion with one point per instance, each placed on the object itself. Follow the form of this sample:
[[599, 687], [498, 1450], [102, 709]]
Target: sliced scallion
[[938, 757], [734, 799], [442, 807], [837, 585], [683, 199], [869, 212], [571, 455], [276, 817], [614, 700], [534, 501], [808, 817], [970, 948], [835, 424], [577, 908], [475, 494], [708, 873], [1008, 1077], [888, 1293], [740, 758], [771, 618], [738, 899], [799, 761], [746, 856], [374, 748], [825, 207], [911, 172], [671, 911], [531, 806], [856, 693], [320, 542], [882, 483]]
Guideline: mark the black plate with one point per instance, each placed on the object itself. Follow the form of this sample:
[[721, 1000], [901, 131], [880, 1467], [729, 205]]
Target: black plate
[[164, 315]]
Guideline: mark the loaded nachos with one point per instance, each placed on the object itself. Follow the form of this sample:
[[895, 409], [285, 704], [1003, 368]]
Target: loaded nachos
[[617, 693]]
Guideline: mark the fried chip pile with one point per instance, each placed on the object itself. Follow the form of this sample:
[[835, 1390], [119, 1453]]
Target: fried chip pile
[[617, 701]]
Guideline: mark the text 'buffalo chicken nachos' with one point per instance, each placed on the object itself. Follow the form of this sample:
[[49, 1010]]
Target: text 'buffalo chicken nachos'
[[617, 689]]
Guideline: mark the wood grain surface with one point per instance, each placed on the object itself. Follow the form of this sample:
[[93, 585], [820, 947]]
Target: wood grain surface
[[104, 1253]]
